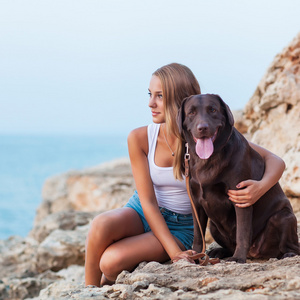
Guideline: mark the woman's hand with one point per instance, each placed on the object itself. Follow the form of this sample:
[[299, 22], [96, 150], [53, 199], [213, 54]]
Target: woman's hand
[[249, 192], [184, 255]]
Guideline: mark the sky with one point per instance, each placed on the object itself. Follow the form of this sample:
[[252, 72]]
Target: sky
[[83, 67]]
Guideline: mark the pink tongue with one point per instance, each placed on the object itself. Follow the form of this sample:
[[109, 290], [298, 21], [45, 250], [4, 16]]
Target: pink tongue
[[204, 148]]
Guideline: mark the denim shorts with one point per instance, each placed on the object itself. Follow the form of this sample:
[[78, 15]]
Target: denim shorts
[[181, 226]]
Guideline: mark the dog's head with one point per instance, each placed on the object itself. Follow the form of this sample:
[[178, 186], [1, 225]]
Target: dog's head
[[205, 122]]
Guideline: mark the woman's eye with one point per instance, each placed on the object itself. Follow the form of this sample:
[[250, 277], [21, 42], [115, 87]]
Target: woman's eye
[[160, 96], [149, 94]]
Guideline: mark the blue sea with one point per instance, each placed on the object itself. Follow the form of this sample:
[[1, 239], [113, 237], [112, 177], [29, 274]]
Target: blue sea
[[26, 161]]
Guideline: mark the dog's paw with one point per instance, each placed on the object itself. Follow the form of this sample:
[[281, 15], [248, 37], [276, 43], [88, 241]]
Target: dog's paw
[[238, 260], [289, 254], [219, 252]]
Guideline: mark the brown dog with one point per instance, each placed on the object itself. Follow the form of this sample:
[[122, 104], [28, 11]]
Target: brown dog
[[220, 159]]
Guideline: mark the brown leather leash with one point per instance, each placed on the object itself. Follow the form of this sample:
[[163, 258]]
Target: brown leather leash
[[199, 256]]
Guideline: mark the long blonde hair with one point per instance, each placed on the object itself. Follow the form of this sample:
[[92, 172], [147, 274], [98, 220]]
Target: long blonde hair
[[178, 82]]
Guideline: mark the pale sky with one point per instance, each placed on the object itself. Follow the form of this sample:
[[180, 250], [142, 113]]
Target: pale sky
[[83, 67]]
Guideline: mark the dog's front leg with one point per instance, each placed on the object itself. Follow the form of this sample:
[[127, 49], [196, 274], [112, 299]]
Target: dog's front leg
[[198, 241], [243, 233]]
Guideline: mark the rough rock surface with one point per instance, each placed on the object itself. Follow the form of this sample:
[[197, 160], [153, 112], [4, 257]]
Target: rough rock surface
[[273, 114], [276, 279], [94, 189]]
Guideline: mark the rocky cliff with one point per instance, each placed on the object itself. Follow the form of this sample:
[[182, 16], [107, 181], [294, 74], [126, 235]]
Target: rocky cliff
[[48, 264], [273, 115]]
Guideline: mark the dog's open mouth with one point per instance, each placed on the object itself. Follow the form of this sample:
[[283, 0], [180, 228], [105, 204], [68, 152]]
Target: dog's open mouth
[[205, 146]]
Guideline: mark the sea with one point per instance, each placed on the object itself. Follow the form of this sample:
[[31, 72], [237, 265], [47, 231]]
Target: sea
[[27, 161]]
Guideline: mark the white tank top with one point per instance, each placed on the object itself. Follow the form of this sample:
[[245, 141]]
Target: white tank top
[[170, 193]]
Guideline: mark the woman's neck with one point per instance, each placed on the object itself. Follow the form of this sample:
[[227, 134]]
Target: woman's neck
[[169, 139]]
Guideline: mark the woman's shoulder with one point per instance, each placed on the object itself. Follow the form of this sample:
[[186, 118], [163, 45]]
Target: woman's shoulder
[[141, 133], [138, 138], [138, 133]]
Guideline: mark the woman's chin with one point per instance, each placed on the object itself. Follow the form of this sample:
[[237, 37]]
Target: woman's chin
[[158, 120]]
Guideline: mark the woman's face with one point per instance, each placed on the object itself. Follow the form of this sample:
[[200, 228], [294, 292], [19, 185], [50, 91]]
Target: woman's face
[[156, 100]]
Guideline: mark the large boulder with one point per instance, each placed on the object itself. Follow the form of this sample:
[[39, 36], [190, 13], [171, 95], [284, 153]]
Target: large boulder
[[103, 187], [273, 114], [61, 249], [64, 220]]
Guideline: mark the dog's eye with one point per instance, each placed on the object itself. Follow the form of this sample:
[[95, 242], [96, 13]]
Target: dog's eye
[[212, 110], [191, 113]]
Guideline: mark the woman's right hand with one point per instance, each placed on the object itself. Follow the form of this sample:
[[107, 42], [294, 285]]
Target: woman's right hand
[[186, 255]]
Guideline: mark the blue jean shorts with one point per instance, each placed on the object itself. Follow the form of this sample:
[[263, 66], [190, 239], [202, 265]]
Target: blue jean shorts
[[181, 226]]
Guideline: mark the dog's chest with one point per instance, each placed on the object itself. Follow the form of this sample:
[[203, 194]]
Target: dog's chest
[[207, 173], [213, 198]]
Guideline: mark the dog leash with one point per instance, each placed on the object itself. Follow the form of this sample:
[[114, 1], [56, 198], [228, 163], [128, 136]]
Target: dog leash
[[199, 256]]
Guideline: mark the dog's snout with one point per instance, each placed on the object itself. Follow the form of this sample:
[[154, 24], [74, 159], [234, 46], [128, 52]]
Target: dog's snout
[[203, 127]]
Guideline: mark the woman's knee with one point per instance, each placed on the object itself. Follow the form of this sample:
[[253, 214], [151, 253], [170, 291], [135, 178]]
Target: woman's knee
[[111, 263], [99, 226]]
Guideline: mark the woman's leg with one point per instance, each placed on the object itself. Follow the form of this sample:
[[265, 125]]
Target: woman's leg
[[106, 229], [127, 253]]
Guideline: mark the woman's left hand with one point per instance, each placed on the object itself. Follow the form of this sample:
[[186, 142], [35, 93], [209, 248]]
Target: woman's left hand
[[184, 255], [249, 191]]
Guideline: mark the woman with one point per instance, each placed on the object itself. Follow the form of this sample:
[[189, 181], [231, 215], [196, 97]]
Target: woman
[[156, 224]]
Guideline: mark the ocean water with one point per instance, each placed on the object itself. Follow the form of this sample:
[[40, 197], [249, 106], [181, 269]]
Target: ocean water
[[26, 161]]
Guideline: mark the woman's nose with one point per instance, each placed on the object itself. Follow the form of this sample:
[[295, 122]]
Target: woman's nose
[[152, 102]]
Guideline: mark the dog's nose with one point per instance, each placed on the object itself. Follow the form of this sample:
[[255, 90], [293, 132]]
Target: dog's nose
[[203, 127]]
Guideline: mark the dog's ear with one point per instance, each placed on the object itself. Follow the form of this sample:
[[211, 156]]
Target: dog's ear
[[181, 115], [228, 113], [227, 129]]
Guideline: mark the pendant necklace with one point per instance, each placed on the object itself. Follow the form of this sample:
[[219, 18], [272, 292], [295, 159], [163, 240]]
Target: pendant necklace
[[173, 153]]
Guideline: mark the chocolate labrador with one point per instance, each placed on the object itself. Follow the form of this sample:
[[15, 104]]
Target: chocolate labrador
[[220, 158]]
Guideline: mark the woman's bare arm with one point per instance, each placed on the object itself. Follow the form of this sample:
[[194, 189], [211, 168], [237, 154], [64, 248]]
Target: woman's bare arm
[[251, 190], [138, 149]]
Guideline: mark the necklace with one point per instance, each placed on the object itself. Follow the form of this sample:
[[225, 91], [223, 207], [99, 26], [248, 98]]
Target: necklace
[[173, 153]]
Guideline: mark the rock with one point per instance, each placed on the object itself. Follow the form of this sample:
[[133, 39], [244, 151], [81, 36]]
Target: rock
[[278, 279], [25, 288], [17, 259], [71, 280], [61, 249], [183, 276], [239, 122], [273, 114], [104, 187], [25, 265], [65, 220]]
